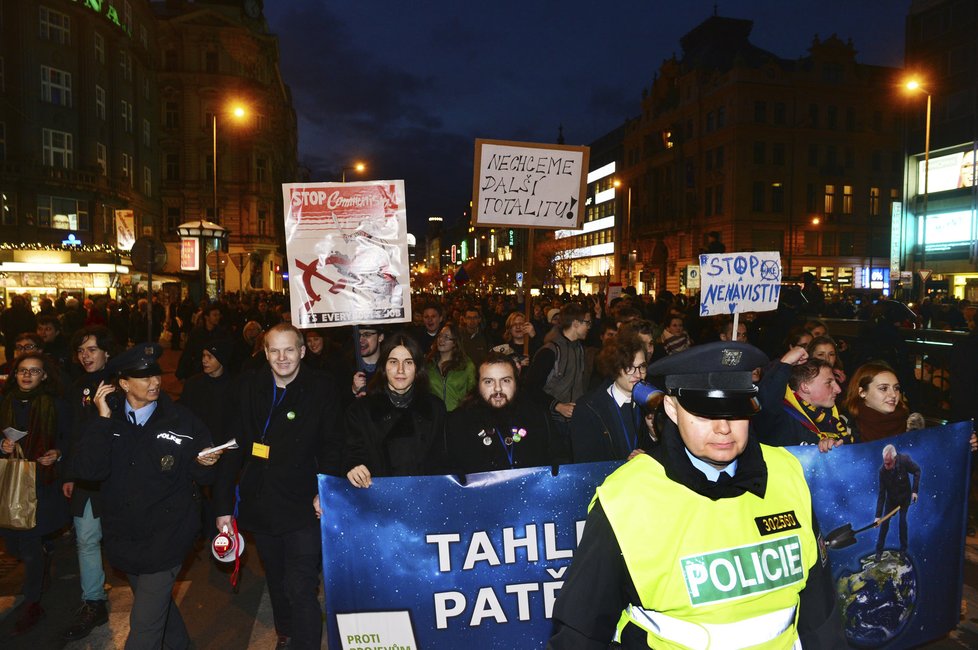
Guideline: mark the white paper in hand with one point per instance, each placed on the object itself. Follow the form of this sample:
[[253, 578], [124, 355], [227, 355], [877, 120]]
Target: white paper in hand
[[13, 435], [230, 444]]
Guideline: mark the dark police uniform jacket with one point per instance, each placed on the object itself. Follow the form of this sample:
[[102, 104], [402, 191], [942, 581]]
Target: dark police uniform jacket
[[304, 437], [149, 474]]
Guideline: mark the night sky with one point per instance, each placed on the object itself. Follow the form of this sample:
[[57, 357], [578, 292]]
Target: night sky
[[407, 87]]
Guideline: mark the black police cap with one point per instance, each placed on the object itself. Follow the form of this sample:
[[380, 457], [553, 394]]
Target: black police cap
[[138, 361], [712, 380]]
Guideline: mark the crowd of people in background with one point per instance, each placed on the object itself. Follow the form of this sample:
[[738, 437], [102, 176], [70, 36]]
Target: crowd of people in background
[[474, 383]]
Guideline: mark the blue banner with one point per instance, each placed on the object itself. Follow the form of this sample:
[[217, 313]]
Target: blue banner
[[432, 562]]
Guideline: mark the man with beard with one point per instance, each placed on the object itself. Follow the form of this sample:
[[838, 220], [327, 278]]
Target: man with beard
[[493, 429]]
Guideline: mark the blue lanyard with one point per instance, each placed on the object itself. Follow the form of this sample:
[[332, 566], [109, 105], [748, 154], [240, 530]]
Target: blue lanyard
[[631, 442], [509, 449], [276, 400]]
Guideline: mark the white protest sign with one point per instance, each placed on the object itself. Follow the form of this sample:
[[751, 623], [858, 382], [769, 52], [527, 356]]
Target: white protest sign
[[733, 283], [347, 252], [529, 185]]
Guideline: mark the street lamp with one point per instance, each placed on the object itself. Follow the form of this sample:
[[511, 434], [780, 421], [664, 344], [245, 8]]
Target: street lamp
[[357, 167], [238, 112], [914, 85], [202, 231]]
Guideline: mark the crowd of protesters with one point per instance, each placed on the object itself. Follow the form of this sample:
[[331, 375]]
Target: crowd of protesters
[[473, 384]]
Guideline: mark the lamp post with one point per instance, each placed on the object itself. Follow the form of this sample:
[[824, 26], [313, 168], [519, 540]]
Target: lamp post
[[202, 231], [357, 167], [238, 112], [914, 85]]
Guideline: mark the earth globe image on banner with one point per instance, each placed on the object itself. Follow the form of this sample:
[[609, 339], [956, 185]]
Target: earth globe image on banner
[[878, 598]]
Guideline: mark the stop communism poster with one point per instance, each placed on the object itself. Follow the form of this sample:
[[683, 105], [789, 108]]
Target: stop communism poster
[[347, 249]]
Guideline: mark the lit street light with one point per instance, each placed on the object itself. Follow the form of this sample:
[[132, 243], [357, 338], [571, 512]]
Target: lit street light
[[914, 85], [238, 112], [358, 167]]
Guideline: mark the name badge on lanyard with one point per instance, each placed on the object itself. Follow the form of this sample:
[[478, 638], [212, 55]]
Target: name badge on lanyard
[[260, 450]]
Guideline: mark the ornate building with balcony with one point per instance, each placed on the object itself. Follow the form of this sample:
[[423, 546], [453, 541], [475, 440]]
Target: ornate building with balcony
[[218, 58], [753, 151]]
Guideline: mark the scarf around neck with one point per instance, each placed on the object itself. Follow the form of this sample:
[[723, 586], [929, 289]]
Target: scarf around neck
[[41, 425]]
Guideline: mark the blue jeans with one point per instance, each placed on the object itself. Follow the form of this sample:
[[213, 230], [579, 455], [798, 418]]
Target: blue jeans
[[88, 538]]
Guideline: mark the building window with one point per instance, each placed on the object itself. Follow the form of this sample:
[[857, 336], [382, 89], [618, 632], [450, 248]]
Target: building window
[[55, 26], [99, 48], [829, 203], [780, 115], [147, 181], [210, 61], [143, 37], [127, 169], [708, 201], [127, 16], [718, 199], [125, 62], [172, 218], [758, 199], [170, 60], [850, 119], [61, 213], [832, 117], [813, 155], [263, 223], [709, 160], [172, 167], [759, 153], [719, 158], [56, 148], [850, 158], [813, 115], [101, 158], [709, 122], [760, 112], [171, 115], [100, 102], [261, 169], [146, 88], [126, 116], [847, 244], [831, 156], [260, 122], [829, 243], [147, 139], [874, 201], [777, 197], [55, 86], [777, 153], [810, 242], [847, 199], [721, 117]]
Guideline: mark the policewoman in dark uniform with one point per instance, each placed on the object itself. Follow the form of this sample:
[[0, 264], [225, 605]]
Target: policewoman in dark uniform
[[709, 540], [144, 448]]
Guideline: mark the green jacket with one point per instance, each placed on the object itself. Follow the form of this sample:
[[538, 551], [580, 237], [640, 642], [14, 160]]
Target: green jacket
[[454, 386]]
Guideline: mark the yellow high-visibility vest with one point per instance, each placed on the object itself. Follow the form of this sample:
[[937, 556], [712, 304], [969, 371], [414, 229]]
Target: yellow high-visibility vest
[[710, 574]]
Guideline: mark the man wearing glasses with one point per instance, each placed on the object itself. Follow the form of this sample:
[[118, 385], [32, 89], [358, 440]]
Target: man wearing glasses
[[558, 373], [370, 338], [18, 318], [23, 343]]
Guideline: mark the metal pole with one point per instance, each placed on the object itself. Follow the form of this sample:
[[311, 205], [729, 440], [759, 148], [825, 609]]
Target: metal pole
[[923, 236], [214, 161]]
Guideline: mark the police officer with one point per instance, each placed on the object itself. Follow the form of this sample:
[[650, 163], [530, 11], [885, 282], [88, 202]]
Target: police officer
[[710, 536], [144, 449]]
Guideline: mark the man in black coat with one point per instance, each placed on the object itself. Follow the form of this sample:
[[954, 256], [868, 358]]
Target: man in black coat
[[288, 430], [494, 429], [209, 330], [896, 491]]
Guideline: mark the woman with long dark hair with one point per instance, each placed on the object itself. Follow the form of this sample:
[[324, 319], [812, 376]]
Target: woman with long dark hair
[[398, 428], [30, 403], [450, 371]]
